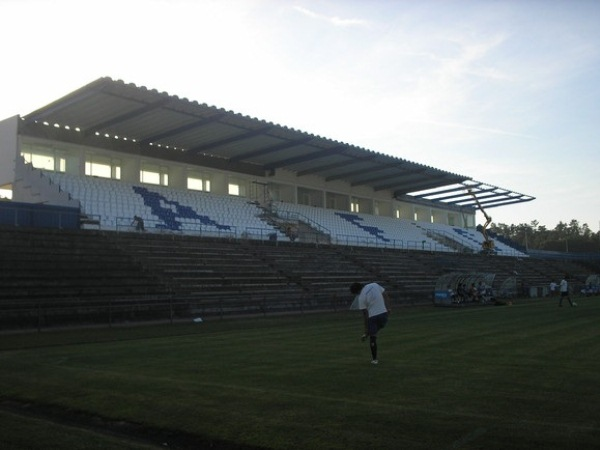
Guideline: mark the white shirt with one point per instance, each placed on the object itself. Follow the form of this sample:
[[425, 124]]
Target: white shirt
[[371, 299], [564, 287]]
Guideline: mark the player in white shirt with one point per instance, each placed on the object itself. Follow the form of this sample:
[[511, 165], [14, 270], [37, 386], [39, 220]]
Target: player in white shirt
[[564, 292], [375, 305]]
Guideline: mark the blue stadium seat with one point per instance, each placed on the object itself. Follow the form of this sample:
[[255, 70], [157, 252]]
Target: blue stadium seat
[[169, 211], [355, 220]]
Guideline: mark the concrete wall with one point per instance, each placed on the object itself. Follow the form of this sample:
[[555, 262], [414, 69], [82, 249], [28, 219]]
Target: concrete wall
[[8, 149], [38, 216]]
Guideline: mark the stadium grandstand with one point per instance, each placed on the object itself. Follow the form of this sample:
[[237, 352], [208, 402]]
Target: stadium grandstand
[[133, 202]]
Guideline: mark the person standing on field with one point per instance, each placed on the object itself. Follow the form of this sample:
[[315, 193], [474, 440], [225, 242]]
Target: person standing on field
[[375, 305], [564, 292], [553, 287]]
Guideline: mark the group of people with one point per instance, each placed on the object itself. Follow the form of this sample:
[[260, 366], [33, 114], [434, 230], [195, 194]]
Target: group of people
[[588, 290], [480, 293], [374, 302]]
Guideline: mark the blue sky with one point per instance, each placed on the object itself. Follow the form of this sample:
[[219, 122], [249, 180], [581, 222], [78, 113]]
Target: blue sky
[[507, 92]]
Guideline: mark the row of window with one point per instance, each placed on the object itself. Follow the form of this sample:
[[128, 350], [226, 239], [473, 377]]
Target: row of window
[[104, 167], [156, 175], [107, 167]]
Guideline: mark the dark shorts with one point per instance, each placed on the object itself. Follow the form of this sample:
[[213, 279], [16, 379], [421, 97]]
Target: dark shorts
[[376, 323], [564, 294]]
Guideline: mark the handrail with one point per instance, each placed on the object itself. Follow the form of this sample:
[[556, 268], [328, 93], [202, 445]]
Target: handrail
[[125, 224], [288, 215]]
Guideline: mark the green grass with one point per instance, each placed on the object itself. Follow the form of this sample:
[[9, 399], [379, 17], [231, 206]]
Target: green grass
[[23, 433], [520, 377]]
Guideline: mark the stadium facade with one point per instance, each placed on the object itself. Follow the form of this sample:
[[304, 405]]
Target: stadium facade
[[155, 144]]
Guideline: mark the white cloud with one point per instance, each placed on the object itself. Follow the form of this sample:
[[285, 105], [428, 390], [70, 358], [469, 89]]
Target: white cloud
[[333, 20], [477, 129]]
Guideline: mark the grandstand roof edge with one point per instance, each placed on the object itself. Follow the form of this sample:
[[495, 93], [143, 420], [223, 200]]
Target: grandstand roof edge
[[199, 131]]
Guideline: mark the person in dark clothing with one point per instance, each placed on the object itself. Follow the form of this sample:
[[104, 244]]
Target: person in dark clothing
[[138, 222]]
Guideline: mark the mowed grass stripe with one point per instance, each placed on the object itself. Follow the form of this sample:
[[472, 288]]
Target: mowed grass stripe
[[307, 382]]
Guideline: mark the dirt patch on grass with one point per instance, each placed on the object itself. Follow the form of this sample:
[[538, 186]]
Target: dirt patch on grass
[[128, 431]]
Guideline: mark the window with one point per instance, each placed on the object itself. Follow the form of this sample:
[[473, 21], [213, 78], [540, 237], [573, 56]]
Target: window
[[234, 189], [103, 167], [151, 174], [198, 184], [45, 161], [97, 169], [44, 156], [147, 176]]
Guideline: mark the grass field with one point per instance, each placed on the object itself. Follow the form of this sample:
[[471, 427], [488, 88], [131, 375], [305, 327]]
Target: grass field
[[500, 377]]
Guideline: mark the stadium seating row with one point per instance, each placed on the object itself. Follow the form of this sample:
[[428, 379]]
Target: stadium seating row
[[56, 277], [369, 230], [115, 203]]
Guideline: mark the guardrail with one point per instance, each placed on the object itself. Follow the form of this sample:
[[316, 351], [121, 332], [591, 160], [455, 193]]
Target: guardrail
[[21, 216], [398, 244], [41, 216], [125, 224], [288, 215]]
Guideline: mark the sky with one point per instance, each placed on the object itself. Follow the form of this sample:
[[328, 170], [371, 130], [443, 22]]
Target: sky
[[505, 92]]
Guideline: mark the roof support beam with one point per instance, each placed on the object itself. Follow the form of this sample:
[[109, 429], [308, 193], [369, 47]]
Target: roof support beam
[[183, 128], [240, 137], [397, 175], [393, 176], [271, 149], [511, 201], [445, 191], [308, 157], [402, 179], [448, 197], [345, 175], [498, 198], [401, 189], [325, 168], [500, 202], [126, 116]]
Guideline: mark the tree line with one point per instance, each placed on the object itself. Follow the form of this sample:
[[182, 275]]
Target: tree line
[[569, 237]]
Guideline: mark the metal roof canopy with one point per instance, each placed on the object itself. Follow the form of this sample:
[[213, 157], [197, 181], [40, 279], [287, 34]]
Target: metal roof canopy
[[124, 117]]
